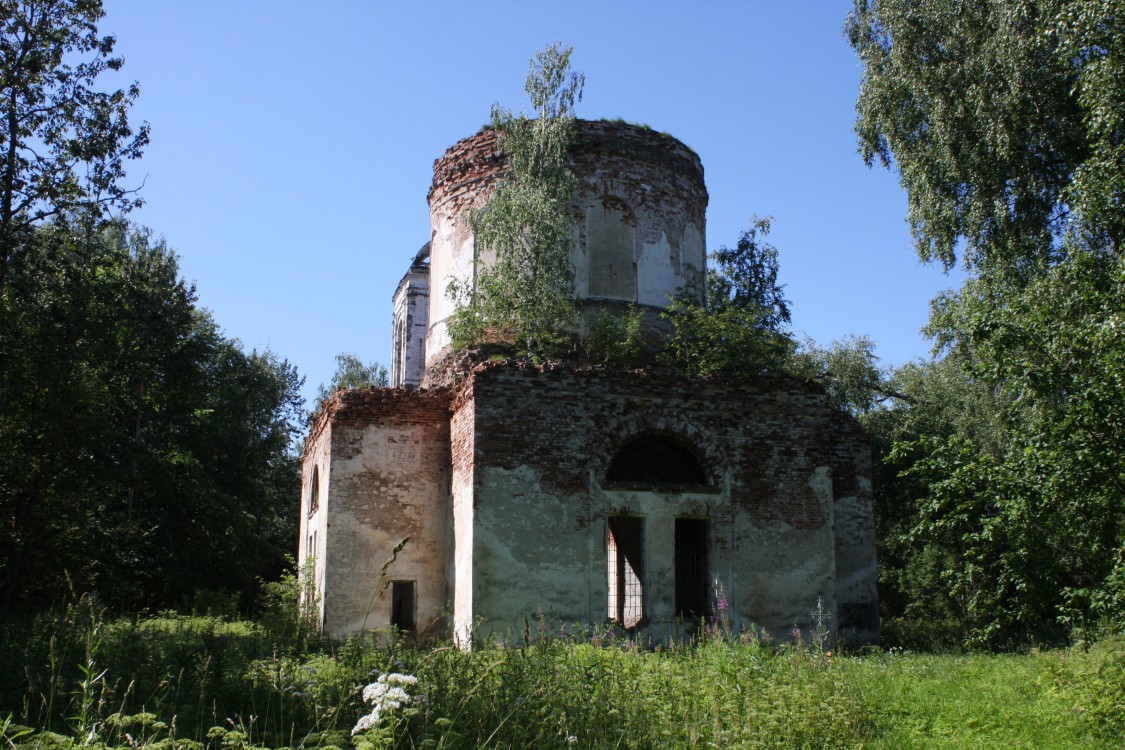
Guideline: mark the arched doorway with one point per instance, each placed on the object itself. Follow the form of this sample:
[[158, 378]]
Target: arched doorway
[[666, 465]]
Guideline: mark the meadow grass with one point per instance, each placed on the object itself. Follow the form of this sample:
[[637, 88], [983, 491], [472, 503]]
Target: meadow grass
[[193, 682], [1039, 699]]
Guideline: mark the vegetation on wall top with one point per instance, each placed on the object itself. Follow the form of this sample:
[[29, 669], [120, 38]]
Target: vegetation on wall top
[[525, 294]]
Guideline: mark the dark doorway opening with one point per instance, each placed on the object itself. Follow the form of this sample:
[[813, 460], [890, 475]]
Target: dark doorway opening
[[402, 605], [692, 568]]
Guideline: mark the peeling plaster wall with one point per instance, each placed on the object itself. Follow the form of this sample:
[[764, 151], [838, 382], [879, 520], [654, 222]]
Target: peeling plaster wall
[[463, 178], [501, 485], [462, 431], [639, 212], [530, 553], [390, 481], [543, 441], [314, 521]]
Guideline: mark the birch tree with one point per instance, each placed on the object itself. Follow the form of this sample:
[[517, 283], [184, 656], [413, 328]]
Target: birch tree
[[526, 296]]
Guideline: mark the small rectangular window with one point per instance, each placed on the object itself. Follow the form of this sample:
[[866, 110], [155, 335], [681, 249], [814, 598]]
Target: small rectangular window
[[624, 555], [402, 605]]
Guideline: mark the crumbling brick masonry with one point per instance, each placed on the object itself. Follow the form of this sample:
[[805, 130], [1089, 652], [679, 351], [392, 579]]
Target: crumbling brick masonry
[[653, 499]]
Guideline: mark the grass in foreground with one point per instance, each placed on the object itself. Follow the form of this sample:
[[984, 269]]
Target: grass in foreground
[[199, 682]]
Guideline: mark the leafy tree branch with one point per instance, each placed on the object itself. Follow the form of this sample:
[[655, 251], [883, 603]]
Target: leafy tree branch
[[63, 143], [523, 293]]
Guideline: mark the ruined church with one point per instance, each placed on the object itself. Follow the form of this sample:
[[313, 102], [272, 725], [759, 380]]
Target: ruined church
[[464, 501]]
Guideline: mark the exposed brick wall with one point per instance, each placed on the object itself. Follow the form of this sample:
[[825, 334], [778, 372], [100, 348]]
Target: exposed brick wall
[[543, 440], [639, 212], [766, 433], [473, 165]]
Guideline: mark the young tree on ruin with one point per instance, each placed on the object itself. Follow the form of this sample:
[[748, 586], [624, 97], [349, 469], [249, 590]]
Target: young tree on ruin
[[526, 295], [740, 329]]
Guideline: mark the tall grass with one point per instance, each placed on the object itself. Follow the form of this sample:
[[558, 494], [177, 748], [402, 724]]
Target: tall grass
[[191, 682]]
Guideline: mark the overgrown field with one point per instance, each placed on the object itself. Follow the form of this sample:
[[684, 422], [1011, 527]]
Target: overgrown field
[[192, 682]]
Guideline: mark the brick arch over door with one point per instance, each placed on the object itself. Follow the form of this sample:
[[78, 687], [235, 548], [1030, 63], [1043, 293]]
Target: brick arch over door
[[683, 432], [657, 458]]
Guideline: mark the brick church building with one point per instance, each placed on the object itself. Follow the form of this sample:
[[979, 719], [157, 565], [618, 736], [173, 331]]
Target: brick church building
[[464, 500]]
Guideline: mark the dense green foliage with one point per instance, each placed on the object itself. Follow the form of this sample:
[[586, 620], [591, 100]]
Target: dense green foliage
[[1002, 118], [740, 328], [1002, 504], [848, 370], [193, 682], [1000, 507], [523, 292], [142, 454], [615, 337]]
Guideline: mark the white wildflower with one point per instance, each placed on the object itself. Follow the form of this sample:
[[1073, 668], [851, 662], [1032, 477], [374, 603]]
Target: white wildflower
[[373, 693], [394, 678], [396, 695], [387, 694], [369, 721]]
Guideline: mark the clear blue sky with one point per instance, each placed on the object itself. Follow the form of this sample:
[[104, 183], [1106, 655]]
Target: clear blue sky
[[293, 144]]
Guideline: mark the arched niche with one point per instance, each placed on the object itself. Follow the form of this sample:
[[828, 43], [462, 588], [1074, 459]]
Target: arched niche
[[658, 460], [611, 251]]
